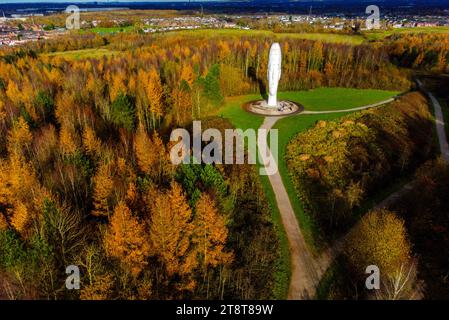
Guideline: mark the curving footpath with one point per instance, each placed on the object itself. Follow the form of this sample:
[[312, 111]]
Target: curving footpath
[[439, 122], [306, 270]]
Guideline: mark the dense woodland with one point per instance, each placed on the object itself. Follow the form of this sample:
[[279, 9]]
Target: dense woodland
[[85, 176], [423, 51]]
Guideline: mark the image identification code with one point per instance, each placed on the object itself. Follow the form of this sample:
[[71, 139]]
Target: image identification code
[[226, 309]]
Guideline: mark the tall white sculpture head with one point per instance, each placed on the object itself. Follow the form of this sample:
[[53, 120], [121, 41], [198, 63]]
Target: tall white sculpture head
[[274, 73]]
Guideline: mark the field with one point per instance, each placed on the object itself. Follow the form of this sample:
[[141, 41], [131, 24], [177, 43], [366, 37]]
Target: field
[[324, 37], [83, 54], [380, 35], [108, 30], [313, 100]]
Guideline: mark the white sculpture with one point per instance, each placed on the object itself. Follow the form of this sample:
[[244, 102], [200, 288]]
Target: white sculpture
[[274, 73]]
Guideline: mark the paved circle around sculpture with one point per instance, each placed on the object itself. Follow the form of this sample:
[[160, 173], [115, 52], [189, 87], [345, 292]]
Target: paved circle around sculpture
[[284, 108]]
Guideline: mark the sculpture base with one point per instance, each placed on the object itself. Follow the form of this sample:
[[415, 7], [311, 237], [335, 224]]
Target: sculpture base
[[283, 108]]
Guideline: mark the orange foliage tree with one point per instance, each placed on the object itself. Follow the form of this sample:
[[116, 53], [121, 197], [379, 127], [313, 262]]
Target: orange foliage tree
[[127, 241], [170, 232], [210, 234]]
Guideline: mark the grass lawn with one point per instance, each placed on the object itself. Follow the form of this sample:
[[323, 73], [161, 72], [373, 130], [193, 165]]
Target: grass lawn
[[109, 30], [324, 37], [382, 34], [313, 100], [239, 117], [336, 98], [83, 54]]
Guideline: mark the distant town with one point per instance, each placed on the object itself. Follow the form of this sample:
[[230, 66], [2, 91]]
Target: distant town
[[21, 28]]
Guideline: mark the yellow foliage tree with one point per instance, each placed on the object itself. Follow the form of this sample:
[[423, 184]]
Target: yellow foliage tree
[[210, 234], [103, 190], [91, 143], [99, 289], [19, 137], [2, 110], [21, 193], [67, 141], [171, 230], [127, 241], [154, 93], [146, 156], [187, 74], [380, 239], [152, 156], [20, 217]]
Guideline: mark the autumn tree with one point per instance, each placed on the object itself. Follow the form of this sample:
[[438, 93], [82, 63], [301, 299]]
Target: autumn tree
[[155, 93], [67, 141], [103, 190], [91, 143], [127, 241], [210, 234], [19, 137], [380, 239], [152, 156], [170, 233], [101, 288]]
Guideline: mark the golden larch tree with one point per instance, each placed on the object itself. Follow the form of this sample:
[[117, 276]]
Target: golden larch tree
[[155, 93], [91, 143], [171, 230], [146, 157], [103, 190], [19, 137], [210, 234], [67, 141], [127, 241]]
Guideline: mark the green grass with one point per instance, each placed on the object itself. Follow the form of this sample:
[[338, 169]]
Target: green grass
[[239, 117], [337, 98], [83, 54], [109, 30], [382, 34], [324, 37]]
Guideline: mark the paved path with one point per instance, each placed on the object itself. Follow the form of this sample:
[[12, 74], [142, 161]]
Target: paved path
[[304, 274], [439, 121]]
